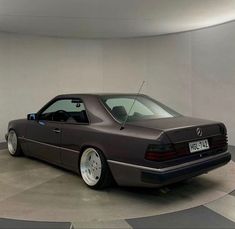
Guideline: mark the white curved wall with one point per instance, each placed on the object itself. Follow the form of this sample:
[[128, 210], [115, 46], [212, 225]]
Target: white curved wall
[[213, 75], [193, 72]]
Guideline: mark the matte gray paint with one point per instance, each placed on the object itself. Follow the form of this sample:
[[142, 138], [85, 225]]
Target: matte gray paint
[[128, 145]]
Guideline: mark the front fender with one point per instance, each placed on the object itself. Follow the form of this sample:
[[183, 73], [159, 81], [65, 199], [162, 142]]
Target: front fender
[[19, 126]]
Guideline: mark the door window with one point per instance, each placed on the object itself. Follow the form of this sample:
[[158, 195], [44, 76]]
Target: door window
[[65, 110]]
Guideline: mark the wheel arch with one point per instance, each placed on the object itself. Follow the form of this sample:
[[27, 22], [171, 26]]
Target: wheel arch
[[97, 147], [86, 146], [9, 129], [90, 145], [19, 126]]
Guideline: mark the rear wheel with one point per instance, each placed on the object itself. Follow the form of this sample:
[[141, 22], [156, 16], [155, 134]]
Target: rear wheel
[[13, 144], [94, 169]]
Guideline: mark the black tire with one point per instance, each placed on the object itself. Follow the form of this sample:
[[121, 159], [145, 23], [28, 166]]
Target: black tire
[[105, 180], [15, 151]]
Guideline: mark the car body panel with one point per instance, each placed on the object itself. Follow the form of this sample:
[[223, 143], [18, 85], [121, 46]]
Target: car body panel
[[173, 123], [141, 176], [43, 132], [127, 146]]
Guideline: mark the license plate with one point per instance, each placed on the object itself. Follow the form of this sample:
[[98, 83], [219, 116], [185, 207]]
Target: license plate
[[198, 146]]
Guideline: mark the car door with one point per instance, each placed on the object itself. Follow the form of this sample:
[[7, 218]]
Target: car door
[[44, 134], [44, 140], [73, 134]]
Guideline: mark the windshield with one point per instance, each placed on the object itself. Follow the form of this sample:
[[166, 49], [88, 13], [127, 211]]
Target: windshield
[[144, 108]]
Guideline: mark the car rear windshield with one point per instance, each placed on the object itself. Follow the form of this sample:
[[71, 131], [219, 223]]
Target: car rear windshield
[[143, 108]]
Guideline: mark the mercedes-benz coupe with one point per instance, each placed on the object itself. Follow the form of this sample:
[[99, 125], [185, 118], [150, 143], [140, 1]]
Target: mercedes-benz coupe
[[131, 139]]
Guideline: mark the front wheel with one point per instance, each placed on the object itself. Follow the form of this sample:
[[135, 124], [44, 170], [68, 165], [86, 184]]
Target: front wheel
[[13, 144], [94, 169]]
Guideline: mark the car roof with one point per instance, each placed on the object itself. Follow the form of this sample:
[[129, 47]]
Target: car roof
[[95, 95]]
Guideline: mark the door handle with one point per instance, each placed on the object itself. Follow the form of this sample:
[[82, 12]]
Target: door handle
[[56, 130]]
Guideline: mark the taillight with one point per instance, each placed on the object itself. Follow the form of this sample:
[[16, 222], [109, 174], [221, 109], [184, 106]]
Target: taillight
[[160, 152], [223, 129]]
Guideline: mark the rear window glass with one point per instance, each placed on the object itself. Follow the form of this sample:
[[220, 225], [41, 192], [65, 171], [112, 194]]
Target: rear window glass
[[142, 108]]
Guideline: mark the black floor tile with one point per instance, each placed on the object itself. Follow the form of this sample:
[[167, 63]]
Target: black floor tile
[[19, 224], [199, 217]]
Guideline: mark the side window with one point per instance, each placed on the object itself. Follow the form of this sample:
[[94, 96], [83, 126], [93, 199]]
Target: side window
[[120, 107], [65, 110]]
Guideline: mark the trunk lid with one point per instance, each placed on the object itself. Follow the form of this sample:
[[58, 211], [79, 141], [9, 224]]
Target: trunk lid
[[180, 132], [182, 129]]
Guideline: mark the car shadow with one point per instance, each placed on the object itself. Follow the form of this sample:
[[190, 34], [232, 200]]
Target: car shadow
[[196, 186]]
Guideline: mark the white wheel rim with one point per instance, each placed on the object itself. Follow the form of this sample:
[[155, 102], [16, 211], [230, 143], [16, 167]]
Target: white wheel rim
[[12, 142], [90, 166]]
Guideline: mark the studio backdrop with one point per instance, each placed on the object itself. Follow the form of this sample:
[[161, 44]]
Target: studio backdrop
[[192, 72]]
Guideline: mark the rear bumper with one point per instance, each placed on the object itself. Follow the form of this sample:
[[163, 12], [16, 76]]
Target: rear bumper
[[135, 175]]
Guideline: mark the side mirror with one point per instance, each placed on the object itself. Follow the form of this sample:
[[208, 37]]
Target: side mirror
[[32, 116]]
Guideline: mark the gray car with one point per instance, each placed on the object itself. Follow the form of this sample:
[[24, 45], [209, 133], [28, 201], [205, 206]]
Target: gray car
[[124, 138]]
